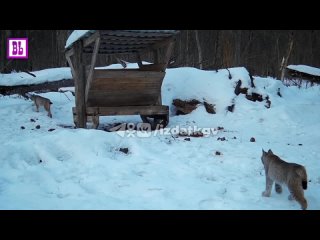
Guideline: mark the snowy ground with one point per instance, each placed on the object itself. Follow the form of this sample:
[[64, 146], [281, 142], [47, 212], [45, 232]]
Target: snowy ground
[[82, 169]]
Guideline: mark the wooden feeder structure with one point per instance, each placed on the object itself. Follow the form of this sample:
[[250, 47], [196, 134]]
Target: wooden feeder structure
[[107, 92]]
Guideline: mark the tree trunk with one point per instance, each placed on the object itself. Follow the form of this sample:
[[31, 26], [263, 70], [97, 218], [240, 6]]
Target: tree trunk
[[285, 59], [237, 48], [199, 49]]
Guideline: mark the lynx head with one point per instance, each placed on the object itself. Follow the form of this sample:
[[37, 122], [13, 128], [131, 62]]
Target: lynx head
[[29, 95], [265, 154], [32, 97]]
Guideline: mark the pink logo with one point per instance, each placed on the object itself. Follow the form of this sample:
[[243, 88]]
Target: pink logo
[[17, 48]]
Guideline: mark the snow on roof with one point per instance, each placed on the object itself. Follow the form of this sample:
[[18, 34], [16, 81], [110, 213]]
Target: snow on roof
[[305, 69], [76, 35]]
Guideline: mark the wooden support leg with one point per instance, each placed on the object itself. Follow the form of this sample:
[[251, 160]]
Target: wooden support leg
[[80, 86]]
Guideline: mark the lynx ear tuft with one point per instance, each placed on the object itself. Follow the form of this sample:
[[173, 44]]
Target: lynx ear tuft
[[270, 152]]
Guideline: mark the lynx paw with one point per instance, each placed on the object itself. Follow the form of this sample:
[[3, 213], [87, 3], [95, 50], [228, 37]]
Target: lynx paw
[[304, 205], [266, 194], [290, 197]]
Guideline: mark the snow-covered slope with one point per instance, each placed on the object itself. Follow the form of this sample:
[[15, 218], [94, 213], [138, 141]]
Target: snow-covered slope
[[42, 76], [70, 168]]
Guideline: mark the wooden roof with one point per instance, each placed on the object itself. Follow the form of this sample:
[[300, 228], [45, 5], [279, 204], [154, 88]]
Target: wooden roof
[[126, 41]]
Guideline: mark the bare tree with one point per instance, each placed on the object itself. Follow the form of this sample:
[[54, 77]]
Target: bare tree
[[261, 51], [199, 49], [285, 59]]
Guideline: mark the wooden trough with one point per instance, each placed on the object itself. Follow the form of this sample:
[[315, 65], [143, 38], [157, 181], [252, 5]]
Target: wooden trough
[[106, 92]]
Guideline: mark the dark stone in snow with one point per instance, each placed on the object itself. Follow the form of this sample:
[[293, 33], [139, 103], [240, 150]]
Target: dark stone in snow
[[230, 108], [187, 139], [32, 120], [252, 139], [22, 127], [209, 108], [51, 129], [124, 150], [38, 127], [237, 89], [221, 139]]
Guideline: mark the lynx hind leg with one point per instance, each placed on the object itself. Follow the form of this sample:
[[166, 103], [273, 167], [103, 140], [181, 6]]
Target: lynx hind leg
[[95, 121], [47, 107], [269, 183], [37, 107], [278, 188], [297, 193]]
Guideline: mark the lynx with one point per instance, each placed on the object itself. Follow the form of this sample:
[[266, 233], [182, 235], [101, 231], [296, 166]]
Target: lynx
[[42, 101], [291, 174]]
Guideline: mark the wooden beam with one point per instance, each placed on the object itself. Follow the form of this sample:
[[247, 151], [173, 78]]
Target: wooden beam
[[93, 64], [126, 74], [88, 41], [80, 85], [69, 53], [71, 66], [126, 110]]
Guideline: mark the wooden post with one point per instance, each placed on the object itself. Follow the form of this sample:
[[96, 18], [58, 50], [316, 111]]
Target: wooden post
[[199, 49], [93, 64], [68, 55], [79, 82]]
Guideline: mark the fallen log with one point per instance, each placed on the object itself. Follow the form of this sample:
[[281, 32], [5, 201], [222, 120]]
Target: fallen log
[[43, 87]]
